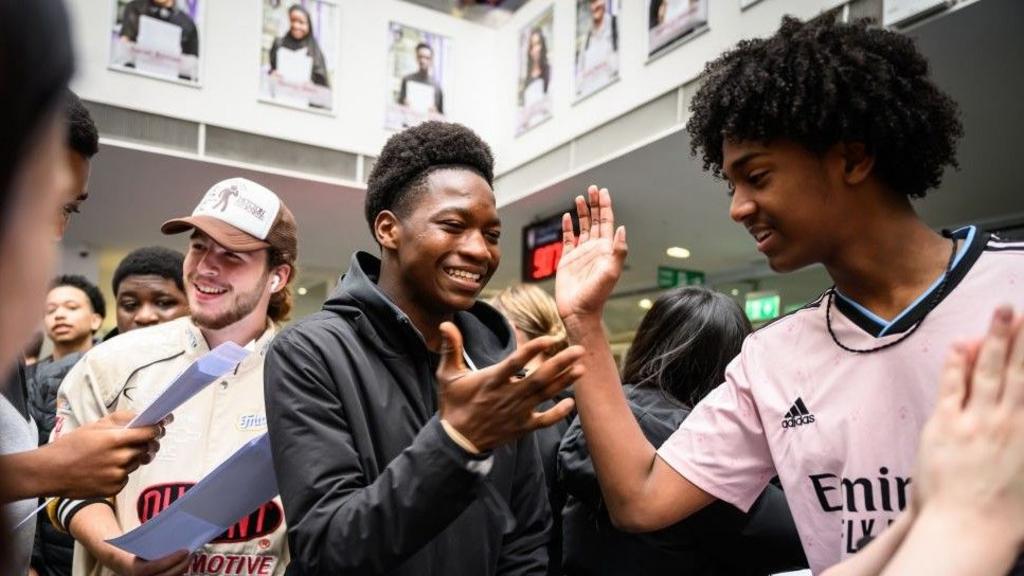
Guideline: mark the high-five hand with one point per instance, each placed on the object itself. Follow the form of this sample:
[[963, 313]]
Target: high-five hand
[[591, 264], [491, 406]]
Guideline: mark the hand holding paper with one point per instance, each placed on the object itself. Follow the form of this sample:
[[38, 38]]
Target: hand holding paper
[[210, 507]]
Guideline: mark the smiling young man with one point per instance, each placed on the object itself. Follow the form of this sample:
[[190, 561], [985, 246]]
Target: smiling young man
[[385, 468], [237, 271], [825, 133]]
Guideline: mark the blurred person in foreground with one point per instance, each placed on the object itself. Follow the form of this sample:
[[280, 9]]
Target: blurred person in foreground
[[37, 192], [679, 354]]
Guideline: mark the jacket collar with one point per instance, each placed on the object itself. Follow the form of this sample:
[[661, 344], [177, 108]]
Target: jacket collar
[[195, 345]]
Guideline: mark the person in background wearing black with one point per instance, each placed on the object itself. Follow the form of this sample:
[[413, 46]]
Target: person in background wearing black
[[396, 450], [165, 10], [424, 75], [148, 289], [300, 37], [75, 309], [533, 314], [679, 354], [36, 192]]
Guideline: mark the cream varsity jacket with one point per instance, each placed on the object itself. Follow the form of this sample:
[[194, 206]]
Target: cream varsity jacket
[[128, 372]]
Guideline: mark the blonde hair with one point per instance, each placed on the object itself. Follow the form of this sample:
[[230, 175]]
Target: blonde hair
[[533, 312]]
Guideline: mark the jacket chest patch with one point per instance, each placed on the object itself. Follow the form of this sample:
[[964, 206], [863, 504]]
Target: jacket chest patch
[[252, 422]]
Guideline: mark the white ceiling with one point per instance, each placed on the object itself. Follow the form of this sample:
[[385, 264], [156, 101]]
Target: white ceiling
[[662, 195]]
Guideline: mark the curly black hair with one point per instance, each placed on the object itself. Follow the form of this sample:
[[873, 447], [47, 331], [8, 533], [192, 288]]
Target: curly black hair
[[408, 158], [151, 261], [820, 83], [83, 137], [99, 305]]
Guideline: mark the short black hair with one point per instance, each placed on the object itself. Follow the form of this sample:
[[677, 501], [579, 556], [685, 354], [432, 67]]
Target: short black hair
[[151, 261], [820, 83], [99, 305], [409, 157], [425, 45], [83, 137]]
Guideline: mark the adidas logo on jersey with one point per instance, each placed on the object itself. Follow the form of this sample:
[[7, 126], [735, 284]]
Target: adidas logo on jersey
[[798, 415]]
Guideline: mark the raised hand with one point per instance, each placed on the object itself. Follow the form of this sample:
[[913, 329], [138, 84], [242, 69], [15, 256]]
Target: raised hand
[[971, 460], [96, 459], [491, 406], [591, 264]]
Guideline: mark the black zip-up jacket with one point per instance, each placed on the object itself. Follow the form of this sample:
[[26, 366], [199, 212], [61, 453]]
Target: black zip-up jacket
[[718, 540], [371, 483]]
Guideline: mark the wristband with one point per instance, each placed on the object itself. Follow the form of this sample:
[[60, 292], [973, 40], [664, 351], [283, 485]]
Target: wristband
[[458, 438]]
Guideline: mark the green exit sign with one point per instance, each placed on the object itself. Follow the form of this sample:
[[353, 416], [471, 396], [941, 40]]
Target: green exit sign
[[672, 277], [762, 306]]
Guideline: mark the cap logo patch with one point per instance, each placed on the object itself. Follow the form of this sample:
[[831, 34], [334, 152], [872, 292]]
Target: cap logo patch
[[226, 195], [243, 204]]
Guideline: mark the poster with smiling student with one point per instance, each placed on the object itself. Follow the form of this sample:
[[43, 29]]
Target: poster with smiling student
[[157, 38], [298, 51], [597, 46], [535, 54]]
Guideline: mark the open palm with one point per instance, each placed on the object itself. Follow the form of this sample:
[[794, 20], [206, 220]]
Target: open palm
[[591, 264]]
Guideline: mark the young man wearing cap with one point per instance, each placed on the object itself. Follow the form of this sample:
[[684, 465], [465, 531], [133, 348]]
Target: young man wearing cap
[[394, 454], [237, 270]]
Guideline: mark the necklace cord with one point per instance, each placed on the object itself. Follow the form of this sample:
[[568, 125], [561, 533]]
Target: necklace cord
[[937, 296]]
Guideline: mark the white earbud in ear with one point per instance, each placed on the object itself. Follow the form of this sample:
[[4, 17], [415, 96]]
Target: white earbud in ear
[[275, 283]]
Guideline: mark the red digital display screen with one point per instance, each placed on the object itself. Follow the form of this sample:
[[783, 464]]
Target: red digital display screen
[[542, 249], [544, 261]]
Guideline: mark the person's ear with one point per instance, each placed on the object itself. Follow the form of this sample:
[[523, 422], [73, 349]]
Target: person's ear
[[386, 229], [858, 163], [96, 322], [279, 277]]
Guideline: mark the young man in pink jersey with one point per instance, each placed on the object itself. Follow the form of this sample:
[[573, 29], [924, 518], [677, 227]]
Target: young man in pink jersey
[[824, 132]]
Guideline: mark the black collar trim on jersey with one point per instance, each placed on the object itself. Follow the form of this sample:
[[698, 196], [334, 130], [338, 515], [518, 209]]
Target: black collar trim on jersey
[[870, 323]]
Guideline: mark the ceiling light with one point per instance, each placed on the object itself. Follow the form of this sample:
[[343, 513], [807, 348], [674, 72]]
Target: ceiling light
[[735, 291], [303, 291], [646, 303], [678, 252]]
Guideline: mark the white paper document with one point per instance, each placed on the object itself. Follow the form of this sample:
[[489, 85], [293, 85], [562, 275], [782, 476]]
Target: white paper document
[[419, 96], [159, 36], [294, 65], [241, 484], [198, 375]]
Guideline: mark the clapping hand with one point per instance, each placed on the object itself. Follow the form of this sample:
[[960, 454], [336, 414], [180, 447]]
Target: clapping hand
[[492, 406], [971, 460]]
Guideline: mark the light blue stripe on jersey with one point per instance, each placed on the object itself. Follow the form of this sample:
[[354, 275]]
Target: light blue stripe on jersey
[[886, 325]]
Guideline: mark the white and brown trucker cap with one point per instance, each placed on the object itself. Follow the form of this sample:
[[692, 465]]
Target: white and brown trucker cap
[[242, 216]]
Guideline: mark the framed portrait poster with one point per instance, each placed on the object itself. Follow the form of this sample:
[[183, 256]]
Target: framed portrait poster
[[597, 46], [533, 98], [418, 79], [157, 38], [669, 22], [298, 51]]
